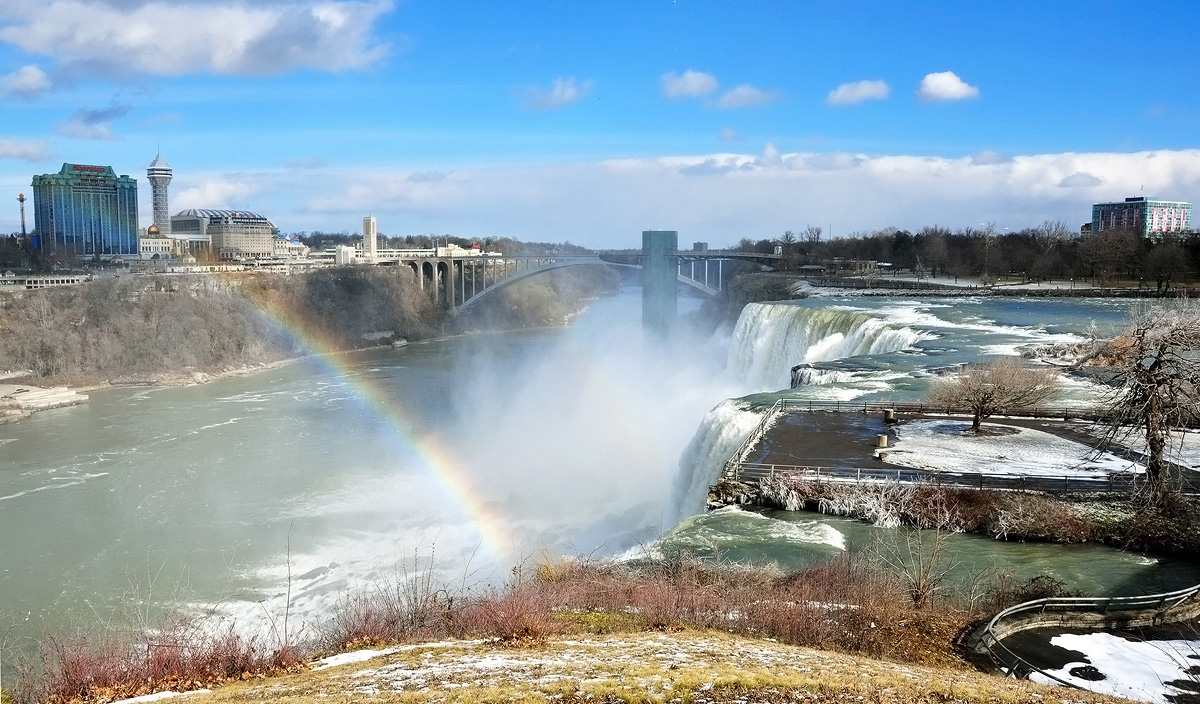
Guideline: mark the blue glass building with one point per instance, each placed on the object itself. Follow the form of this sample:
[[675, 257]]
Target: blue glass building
[[1146, 216], [86, 212]]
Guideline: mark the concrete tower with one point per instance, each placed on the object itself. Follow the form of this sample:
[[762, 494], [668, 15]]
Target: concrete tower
[[159, 174], [369, 240]]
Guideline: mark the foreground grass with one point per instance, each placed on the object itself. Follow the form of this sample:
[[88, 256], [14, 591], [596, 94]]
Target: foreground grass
[[854, 605], [684, 666]]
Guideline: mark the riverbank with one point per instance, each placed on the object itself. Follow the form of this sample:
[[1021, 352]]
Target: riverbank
[[574, 629], [181, 331]]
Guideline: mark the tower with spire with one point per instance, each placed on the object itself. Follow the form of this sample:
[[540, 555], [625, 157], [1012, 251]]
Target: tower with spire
[[159, 174]]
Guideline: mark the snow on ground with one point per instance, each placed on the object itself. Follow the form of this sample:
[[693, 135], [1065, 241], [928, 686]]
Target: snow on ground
[[945, 445], [365, 654], [1141, 670], [160, 695]]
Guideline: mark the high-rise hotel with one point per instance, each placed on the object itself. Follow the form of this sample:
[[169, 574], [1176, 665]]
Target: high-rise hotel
[[1146, 216], [86, 212]]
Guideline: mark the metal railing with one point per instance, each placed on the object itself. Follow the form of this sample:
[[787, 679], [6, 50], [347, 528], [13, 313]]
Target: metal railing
[[737, 469], [1063, 412], [1066, 606]]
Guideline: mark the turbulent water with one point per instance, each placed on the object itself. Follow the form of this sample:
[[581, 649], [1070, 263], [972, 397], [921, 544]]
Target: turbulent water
[[581, 440], [772, 337]]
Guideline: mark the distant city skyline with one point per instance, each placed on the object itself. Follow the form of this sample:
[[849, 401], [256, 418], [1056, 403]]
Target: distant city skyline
[[592, 123]]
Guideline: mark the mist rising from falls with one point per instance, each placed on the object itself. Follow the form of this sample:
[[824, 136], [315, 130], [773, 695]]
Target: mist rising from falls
[[769, 339]]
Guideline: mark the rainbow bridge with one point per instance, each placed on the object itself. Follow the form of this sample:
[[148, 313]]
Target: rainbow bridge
[[461, 282]]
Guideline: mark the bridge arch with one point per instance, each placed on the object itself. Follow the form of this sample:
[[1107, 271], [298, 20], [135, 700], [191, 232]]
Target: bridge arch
[[514, 278]]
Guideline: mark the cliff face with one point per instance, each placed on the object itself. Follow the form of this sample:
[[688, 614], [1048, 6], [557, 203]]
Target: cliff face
[[133, 327]]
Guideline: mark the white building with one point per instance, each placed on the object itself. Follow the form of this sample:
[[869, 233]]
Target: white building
[[231, 234], [370, 242], [152, 244], [344, 254]]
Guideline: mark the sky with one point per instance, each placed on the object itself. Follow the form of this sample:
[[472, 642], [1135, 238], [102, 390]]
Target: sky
[[592, 121]]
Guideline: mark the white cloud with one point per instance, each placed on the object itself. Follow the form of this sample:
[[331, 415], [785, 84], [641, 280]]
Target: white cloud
[[23, 149], [747, 96], [562, 92], [938, 87], [716, 197], [1080, 179], [88, 123], [858, 92], [720, 195], [175, 37], [27, 82], [689, 84], [728, 134], [221, 192]]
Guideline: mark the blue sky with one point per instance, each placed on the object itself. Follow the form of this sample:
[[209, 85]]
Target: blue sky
[[591, 121]]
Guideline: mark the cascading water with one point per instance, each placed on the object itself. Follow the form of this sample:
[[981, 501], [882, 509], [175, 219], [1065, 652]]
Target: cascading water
[[770, 338], [720, 434]]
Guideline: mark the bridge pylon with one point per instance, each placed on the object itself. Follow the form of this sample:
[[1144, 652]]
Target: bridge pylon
[[660, 271]]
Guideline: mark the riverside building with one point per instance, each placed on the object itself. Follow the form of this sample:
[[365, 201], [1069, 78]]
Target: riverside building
[[1149, 217], [86, 212], [226, 234]]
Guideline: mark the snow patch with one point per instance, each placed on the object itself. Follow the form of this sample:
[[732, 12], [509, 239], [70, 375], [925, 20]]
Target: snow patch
[[945, 446]]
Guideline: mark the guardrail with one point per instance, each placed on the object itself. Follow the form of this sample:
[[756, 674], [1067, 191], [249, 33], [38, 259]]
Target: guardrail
[[737, 469], [1064, 412], [1084, 612], [1116, 483]]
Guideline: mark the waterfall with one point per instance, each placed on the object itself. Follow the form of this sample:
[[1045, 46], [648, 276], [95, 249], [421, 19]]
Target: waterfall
[[771, 338], [720, 434]]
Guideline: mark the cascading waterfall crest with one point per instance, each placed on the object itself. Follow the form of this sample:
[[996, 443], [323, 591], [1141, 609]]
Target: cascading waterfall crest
[[770, 338]]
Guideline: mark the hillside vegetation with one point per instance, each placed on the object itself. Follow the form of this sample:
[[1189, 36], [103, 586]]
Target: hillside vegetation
[[160, 328]]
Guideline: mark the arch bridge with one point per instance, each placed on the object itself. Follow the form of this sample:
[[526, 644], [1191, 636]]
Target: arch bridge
[[461, 282]]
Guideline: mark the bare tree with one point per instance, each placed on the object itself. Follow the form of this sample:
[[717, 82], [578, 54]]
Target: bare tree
[[985, 390], [1160, 393]]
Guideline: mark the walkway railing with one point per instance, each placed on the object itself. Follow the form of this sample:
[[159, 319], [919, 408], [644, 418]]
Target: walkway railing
[[1118, 482], [1075, 612], [1063, 412], [738, 469]]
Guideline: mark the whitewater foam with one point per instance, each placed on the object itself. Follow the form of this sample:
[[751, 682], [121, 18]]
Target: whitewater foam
[[770, 338]]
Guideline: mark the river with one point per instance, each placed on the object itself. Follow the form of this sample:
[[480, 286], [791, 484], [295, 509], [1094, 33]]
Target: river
[[478, 452]]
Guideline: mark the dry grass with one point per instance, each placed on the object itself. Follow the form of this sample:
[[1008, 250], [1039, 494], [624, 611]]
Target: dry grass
[[850, 605], [685, 666]]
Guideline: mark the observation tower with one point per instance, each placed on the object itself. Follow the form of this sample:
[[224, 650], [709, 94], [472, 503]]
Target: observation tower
[[159, 174]]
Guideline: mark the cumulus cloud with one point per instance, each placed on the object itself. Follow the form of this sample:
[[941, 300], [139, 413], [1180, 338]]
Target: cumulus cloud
[[939, 87], [220, 192], [719, 197], [23, 149], [426, 176], [562, 92], [1080, 179], [27, 82], [747, 96], [987, 157], [858, 92], [175, 37], [96, 123], [689, 84]]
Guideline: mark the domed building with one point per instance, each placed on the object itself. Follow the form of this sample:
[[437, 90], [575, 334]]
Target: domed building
[[153, 244]]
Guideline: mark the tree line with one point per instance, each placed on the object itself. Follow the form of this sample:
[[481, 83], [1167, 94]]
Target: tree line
[[1050, 251]]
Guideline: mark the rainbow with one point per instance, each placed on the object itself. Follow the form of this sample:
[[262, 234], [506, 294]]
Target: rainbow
[[437, 458]]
